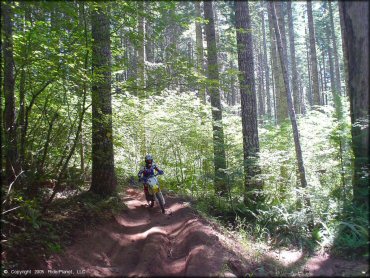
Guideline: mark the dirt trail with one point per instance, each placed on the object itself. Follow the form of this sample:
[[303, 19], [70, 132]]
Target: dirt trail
[[144, 242]]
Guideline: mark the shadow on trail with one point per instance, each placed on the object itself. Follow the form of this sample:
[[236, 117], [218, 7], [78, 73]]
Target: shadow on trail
[[142, 241], [293, 263]]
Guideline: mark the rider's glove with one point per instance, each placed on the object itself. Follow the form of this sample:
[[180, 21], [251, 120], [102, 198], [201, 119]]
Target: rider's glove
[[160, 172]]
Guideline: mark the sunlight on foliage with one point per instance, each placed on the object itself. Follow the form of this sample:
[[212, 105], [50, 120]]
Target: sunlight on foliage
[[178, 134]]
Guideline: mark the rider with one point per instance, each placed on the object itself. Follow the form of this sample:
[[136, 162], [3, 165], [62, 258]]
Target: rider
[[147, 171]]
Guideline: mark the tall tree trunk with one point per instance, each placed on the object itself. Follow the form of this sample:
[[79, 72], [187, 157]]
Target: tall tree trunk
[[2, 178], [261, 93], [313, 56], [248, 104], [292, 58], [217, 33], [309, 92], [149, 49], [344, 46], [22, 91], [356, 22], [335, 50], [213, 75], [323, 74], [321, 79], [273, 92], [324, 85], [298, 151], [12, 167], [103, 175], [331, 66], [266, 66], [199, 50], [281, 112], [83, 24], [282, 105], [281, 101], [274, 69]]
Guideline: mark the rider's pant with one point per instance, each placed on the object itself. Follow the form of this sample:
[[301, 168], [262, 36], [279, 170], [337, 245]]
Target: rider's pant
[[148, 197]]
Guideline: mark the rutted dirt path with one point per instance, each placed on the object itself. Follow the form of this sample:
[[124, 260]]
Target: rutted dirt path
[[144, 242]]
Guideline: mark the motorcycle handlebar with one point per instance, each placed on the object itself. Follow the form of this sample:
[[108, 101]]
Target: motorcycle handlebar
[[142, 179]]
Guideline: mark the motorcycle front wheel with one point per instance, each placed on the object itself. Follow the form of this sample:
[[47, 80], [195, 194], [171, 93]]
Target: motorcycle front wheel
[[160, 201]]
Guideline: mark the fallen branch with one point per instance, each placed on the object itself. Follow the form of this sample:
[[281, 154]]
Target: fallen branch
[[10, 187], [9, 210]]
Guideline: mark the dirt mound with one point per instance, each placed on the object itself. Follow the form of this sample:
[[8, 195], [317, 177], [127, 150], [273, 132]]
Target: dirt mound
[[144, 242]]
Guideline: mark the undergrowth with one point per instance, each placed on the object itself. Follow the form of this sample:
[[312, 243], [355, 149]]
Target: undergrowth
[[281, 226], [31, 236]]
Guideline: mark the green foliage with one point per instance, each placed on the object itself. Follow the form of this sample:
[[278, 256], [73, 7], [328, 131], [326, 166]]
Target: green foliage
[[28, 234], [281, 219], [52, 47], [351, 229], [54, 247], [32, 235], [179, 144]]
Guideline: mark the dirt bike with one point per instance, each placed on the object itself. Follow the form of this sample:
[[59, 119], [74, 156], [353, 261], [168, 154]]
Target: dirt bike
[[154, 192]]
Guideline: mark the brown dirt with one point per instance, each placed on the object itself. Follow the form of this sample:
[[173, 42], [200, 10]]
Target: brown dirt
[[144, 242], [320, 264]]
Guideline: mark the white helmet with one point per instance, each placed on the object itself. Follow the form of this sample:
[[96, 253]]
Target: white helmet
[[148, 159]]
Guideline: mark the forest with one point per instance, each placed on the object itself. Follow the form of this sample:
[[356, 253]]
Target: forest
[[256, 111]]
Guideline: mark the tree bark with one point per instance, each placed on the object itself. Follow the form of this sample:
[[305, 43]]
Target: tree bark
[[356, 21], [199, 50], [217, 33], [103, 175], [2, 178], [302, 97], [295, 88], [248, 103], [313, 56], [281, 101], [83, 24], [213, 75], [298, 151], [261, 93], [149, 49], [324, 85], [335, 51], [309, 92], [321, 79], [344, 47], [274, 64], [266, 66], [22, 92], [331, 65], [12, 167]]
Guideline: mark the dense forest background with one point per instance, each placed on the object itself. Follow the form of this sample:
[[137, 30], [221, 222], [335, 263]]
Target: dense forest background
[[257, 110]]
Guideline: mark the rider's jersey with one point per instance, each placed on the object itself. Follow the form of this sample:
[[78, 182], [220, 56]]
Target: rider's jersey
[[149, 171]]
